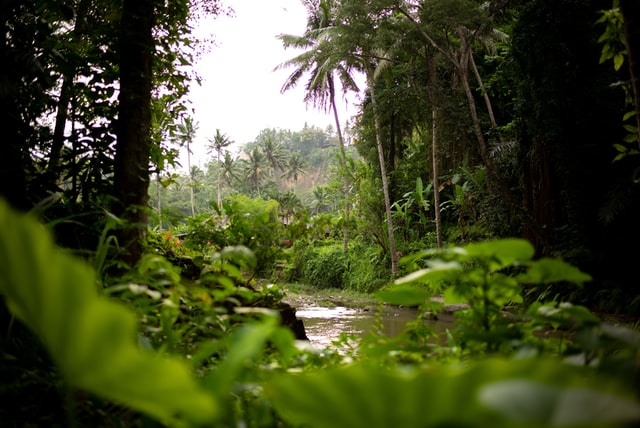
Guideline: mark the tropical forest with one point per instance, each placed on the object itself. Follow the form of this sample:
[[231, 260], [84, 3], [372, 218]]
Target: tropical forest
[[457, 253]]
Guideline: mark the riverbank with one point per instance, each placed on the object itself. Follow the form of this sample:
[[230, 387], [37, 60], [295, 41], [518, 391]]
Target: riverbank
[[302, 295]]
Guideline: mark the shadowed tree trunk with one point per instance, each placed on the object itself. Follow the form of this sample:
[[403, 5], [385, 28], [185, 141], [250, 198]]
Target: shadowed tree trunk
[[66, 92], [131, 178], [12, 154]]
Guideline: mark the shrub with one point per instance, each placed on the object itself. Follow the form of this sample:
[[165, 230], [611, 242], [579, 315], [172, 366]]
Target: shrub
[[364, 274], [252, 223], [322, 264]]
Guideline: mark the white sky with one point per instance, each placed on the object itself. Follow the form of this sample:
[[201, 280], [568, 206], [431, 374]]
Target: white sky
[[240, 91]]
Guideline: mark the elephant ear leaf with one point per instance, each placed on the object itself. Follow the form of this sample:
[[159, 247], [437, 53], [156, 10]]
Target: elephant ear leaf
[[91, 339]]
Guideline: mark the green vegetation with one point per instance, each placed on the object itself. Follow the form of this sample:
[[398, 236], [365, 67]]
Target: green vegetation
[[491, 168], [498, 369]]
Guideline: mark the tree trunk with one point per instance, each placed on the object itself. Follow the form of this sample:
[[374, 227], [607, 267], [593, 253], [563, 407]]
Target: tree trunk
[[343, 164], [57, 141], [383, 174], [494, 175], [219, 185], [434, 149], [631, 15], [66, 92], [485, 94], [193, 205], [159, 203], [131, 172], [436, 181]]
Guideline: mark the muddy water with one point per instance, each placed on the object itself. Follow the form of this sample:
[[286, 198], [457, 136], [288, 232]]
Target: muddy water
[[324, 325]]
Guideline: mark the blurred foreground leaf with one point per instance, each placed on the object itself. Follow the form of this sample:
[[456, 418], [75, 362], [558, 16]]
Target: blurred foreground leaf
[[91, 339], [496, 393]]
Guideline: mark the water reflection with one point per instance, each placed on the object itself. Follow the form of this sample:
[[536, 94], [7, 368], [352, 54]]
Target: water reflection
[[324, 325]]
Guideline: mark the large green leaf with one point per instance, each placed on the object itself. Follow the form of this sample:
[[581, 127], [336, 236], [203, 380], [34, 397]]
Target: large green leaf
[[405, 295], [496, 393], [371, 397], [547, 270], [437, 272], [533, 402], [91, 339], [500, 253]]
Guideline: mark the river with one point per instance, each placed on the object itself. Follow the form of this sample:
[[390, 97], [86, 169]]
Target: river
[[324, 325]]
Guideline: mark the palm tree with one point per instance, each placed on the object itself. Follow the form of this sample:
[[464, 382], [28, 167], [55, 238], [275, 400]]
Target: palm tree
[[219, 142], [255, 168], [274, 154], [320, 198], [295, 167], [354, 41], [320, 62], [289, 203], [185, 134], [228, 169]]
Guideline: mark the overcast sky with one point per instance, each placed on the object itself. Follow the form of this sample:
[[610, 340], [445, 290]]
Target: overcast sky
[[240, 91]]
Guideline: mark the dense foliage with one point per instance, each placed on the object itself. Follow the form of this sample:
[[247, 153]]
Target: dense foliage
[[250, 372], [492, 167]]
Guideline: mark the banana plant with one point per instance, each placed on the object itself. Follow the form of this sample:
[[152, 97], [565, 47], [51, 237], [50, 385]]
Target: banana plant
[[413, 207]]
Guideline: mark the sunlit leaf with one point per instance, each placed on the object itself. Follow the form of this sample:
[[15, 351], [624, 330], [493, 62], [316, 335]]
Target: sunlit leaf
[[437, 271], [620, 148], [618, 60]]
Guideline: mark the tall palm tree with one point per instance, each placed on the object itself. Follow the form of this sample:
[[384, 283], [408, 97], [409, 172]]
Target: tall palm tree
[[354, 40], [321, 62], [289, 204], [320, 198], [274, 154], [186, 132], [255, 168], [217, 144], [295, 167], [228, 169]]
